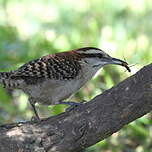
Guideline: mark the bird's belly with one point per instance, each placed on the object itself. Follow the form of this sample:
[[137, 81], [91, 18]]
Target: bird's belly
[[65, 90], [51, 92]]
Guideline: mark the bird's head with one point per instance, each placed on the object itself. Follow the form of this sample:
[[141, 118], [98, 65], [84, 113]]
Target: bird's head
[[97, 58]]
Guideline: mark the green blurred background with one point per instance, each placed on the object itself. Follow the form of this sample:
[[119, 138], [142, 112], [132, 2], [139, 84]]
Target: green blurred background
[[30, 29]]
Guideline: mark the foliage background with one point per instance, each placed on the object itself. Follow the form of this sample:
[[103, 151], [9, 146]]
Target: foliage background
[[30, 29]]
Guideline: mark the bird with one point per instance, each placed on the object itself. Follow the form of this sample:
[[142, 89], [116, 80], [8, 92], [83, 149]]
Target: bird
[[51, 79]]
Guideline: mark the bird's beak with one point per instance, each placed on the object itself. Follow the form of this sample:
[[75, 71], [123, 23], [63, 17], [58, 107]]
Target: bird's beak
[[120, 62], [111, 60]]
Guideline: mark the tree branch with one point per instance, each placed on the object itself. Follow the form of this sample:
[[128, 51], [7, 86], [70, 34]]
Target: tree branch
[[85, 125]]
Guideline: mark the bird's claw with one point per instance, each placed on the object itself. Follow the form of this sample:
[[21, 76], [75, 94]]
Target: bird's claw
[[74, 105], [35, 119]]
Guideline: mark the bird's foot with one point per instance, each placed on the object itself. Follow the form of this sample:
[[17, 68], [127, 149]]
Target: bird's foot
[[72, 105], [35, 119]]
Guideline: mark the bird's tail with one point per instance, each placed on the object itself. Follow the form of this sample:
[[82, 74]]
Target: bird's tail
[[4, 75], [7, 81]]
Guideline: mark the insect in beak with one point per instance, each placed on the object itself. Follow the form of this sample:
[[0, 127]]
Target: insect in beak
[[121, 62]]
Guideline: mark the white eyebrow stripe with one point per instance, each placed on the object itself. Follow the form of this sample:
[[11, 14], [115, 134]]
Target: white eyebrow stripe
[[91, 52]]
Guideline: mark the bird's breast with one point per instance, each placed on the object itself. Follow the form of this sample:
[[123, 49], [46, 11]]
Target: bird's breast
[[50, 92]]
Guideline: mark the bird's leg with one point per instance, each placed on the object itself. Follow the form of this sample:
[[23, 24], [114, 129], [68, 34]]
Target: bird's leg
[[34, 109], [71, 104]]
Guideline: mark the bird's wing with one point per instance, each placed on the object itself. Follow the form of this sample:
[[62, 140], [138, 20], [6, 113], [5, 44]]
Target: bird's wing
[[33, 68], [52, 67]]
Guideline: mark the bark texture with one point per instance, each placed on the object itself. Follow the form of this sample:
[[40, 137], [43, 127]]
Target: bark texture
[[85, 125]]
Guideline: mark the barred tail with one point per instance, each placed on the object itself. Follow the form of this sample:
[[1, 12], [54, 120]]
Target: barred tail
[[7, 82], [4, 75]]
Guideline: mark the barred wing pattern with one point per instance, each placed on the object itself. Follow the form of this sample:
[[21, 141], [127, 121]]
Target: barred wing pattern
[[57, 67]]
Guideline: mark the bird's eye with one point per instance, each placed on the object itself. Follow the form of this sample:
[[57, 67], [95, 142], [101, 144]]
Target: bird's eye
[[100, 55]]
